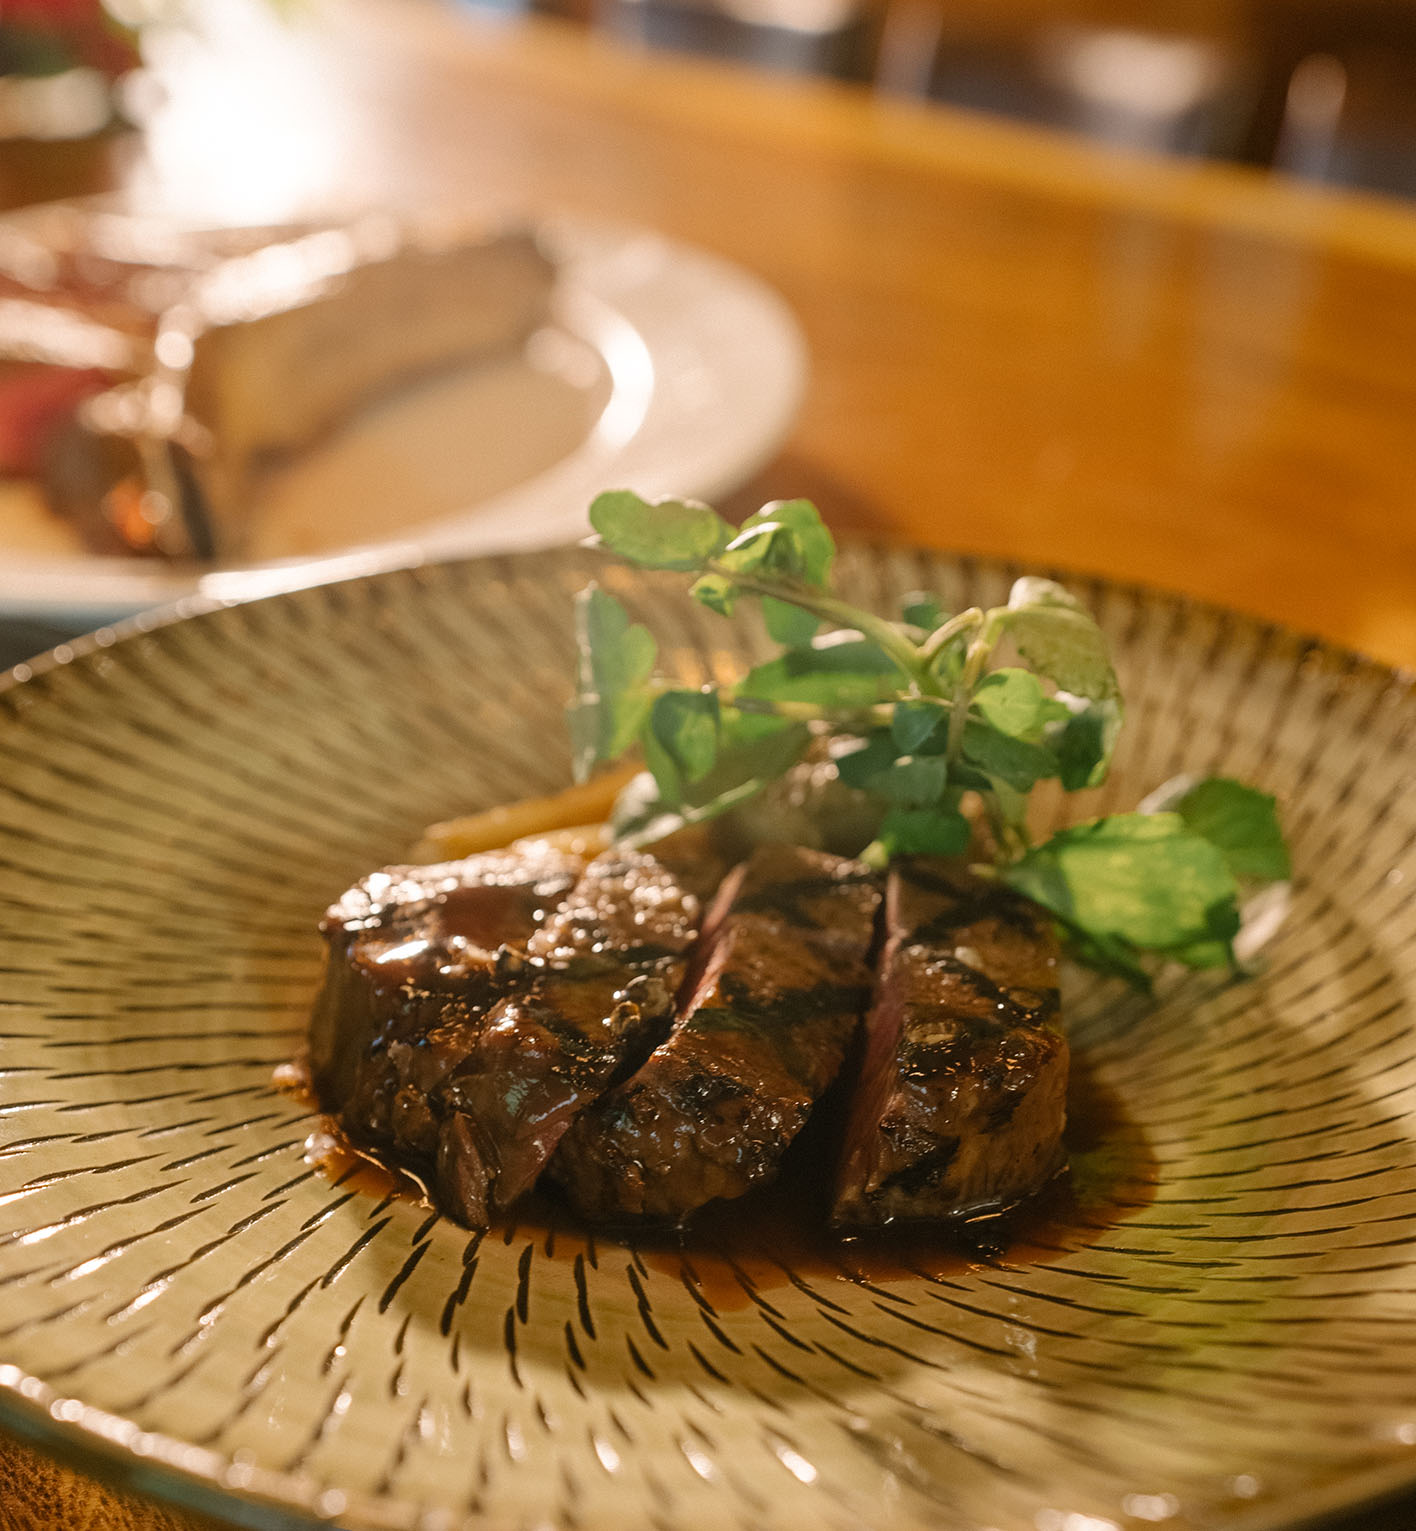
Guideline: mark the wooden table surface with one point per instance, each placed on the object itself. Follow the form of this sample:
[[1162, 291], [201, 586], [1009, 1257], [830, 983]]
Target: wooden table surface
[[1174, 373]]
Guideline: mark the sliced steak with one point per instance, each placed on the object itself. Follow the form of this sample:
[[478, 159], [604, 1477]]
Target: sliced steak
[[411, 970], [962, 1093], [777, 994], [606, 970]]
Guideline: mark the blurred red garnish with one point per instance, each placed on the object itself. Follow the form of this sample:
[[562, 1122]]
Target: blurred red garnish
[[34, 402]]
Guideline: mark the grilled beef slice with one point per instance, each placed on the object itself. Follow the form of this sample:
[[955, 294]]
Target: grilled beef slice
[[607, 968], [411, 970], [775, 998], [962, 1094]]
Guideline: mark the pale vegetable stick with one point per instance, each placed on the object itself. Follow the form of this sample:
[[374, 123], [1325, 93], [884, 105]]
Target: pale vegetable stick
[[584, 840], [574, 808]]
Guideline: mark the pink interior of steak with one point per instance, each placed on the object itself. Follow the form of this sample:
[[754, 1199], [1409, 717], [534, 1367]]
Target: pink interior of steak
[[961, 1100], [609, 964], [761, 1035]]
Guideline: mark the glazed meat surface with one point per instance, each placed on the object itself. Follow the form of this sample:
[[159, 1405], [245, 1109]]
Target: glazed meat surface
[[961, 1099], [600, 993], [780, 984], [415, 958]]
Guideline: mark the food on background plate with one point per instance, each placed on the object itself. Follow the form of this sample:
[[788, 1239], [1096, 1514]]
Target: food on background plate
[[652, 1058], [210, 357], [83, 292]]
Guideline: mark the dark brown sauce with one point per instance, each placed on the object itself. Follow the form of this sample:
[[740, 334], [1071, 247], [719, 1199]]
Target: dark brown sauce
[[464, 928], [778, 1235], [485, 915], [353, 1169], [334, 1156]]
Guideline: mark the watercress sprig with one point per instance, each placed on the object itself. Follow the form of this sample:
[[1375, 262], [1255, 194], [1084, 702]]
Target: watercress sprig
[[918, 713]]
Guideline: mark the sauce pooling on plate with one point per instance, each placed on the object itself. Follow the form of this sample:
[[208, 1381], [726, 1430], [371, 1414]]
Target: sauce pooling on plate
[[777, 1235]]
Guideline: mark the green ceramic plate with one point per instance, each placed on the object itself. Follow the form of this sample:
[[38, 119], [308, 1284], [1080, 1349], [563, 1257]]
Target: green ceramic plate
[[1219, 1331]]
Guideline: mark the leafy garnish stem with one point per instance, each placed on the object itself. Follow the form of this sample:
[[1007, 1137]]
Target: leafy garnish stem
[[807, 712], [1161, 884], [975, 662], [885, 635], [942, 637], [1012, 840]]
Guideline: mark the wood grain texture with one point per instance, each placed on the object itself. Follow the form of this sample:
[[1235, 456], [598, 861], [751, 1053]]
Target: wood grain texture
[[1184, 374], [38, 1494]]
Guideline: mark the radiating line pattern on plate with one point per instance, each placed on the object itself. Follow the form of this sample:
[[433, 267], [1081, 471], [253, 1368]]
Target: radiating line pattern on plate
[[182, 1289]]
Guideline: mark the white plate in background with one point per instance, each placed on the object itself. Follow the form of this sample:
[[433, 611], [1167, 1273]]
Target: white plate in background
[[666, 370]]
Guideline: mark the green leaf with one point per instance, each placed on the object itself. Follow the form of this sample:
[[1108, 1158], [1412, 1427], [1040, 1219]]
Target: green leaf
[[913, 723], [667, 534], [923, 611], [739, 727], [859, 766], [914, 781], [845, 649], [814, 546], [1144, 879], [1203, 954], [663, 768], [717, 592], [1058, 636], [1011, 804], [1014, 702], [643, 814], [1015, 761], [785, 540], [788, 624], [612, 698], [1107, 954], [1086, 741], [799, 676], [969, 778], [924, 832], [1243, 823], [684, 725], [767, 548]]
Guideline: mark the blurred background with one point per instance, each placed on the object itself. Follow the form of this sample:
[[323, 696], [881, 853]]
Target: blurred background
[[1198, 210], [1319, 88], [1162, 198], [1324, 89]]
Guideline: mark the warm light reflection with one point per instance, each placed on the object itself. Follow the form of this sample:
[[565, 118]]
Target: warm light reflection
[[243, 123], [1132, 86]]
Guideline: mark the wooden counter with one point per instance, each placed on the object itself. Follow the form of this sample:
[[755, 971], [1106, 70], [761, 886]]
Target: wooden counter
[[1178, 373]]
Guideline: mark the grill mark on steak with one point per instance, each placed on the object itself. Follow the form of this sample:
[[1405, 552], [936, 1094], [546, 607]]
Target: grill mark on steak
[[761, 1034], [793, 901], [415, 958], [607, 968], [962, 1096]]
